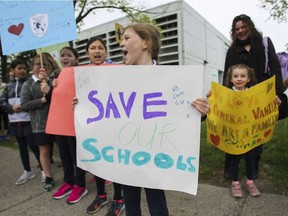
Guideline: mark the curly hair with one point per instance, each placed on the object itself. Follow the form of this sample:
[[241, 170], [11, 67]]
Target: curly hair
[[254, 33]]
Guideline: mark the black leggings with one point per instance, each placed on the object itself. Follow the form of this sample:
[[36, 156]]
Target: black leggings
[[100, 185], [23, 143]]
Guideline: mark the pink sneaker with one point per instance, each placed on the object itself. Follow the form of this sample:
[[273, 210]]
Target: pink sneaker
[[64, 190], [236, 190], [77, 194], [253, 190]]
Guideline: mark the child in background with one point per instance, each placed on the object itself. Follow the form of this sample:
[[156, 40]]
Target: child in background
[[4, 121], [96, 51], [239, 78], [141, 46], [35, 98], [74, 177], [52, 71], [20, 125]]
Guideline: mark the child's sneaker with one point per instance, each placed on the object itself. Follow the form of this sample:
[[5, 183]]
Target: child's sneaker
[[64, 190], [77, 194], [97, 204], [115, 208], [236, 190], [26, 176], [253, 190], [49, 184]]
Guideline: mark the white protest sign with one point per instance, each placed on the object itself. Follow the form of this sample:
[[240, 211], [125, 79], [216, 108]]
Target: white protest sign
[[135, 124]]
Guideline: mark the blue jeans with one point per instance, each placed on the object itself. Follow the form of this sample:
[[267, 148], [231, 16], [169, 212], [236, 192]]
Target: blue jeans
[[155, 198]]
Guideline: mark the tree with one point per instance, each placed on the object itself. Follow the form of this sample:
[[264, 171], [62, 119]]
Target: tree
[[84, 7], [278, 9]]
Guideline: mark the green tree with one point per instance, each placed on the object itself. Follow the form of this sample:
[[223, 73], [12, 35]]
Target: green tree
[[278, 9], [85, 7]]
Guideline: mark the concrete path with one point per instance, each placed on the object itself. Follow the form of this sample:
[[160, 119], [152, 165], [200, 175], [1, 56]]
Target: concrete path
[[29, 199]]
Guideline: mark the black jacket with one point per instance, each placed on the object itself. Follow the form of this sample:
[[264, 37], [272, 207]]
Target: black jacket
[[255, 59]]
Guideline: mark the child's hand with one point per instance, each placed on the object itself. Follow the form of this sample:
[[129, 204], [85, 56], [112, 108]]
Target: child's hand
[[74, 102], [208, 94], [55, 82], [277, 101], [45, 88], [202, 105], [16, 108], [42, 74]]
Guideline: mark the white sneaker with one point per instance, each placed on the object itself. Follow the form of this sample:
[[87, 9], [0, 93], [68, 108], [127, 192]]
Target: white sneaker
[[25, 177], [43, 176]]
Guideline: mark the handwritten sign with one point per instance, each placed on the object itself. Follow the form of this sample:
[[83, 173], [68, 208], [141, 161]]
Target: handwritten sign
[[135, 124], [26, 25], [240, 121], [61, 116], [53, 50]]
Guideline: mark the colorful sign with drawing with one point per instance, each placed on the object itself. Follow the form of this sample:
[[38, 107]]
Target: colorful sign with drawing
[[240, 121], [135, 124], [27, 25]]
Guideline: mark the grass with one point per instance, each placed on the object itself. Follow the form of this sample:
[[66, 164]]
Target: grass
[[273, 169]]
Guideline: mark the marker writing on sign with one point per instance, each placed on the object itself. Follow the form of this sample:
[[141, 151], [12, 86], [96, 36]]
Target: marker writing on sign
[[148, 99]]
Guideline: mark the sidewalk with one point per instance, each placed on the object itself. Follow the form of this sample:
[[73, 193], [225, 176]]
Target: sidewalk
[[30, 199]]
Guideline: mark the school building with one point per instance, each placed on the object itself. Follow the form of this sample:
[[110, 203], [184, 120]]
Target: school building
[[188, 39]]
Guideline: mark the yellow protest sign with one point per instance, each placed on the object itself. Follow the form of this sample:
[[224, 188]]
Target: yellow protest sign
[[240, 121], [118, 32]]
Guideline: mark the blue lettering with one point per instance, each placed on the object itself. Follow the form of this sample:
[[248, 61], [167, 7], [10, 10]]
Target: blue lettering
[[141, 158], [180, 164], [92, 149], [108, 158], [163, 161], [191, 167], [124, 156]]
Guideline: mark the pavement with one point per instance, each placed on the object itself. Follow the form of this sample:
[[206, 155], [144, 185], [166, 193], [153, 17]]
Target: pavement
[[29, 199]]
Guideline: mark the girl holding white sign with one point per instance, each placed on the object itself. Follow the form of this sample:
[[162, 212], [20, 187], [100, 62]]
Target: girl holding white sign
[[141, 46]]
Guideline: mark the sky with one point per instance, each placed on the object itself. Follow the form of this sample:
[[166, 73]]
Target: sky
[[220, 14]]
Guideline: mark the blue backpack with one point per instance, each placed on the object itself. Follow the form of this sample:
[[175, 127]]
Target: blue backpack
[[283, 59]]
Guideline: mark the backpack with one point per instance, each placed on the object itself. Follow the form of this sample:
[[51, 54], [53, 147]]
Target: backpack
[[283, 59]]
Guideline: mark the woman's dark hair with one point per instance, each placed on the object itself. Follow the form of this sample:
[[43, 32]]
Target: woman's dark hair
[[254, 33], [93, 39], [75, 53], [251, 75]]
